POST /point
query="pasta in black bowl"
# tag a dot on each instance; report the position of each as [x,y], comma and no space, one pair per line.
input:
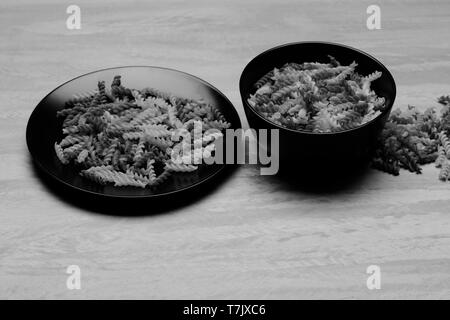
[328,101]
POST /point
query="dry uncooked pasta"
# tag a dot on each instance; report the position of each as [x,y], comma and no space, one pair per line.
[318,97]
[126,137]
[412,138]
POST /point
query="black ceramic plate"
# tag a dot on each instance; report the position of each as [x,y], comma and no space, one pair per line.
[44,129]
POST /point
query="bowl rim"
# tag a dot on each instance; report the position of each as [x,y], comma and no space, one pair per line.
[41,167]
[383,67]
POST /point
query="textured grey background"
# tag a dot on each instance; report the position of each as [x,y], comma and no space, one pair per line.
[254,237]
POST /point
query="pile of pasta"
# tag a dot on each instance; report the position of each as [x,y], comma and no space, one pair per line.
[318,97]
[412,138]
[125,137]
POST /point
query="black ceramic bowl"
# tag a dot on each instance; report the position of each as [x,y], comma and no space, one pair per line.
[297,146]
[44,128]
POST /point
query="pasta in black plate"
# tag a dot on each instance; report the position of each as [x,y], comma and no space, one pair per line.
[125,136]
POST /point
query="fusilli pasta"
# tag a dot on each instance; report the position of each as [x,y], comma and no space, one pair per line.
[319,97]
[125,137]
[412,138]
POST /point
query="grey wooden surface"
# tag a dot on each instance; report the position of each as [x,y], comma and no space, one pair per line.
[253,237]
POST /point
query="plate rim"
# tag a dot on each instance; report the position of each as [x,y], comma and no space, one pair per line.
[159,195]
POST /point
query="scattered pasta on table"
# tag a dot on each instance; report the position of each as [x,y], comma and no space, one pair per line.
[412,138]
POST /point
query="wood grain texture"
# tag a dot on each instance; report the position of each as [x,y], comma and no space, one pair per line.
[253,237]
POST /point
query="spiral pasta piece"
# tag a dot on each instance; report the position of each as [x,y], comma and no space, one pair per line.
[445,142]
[444,174]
